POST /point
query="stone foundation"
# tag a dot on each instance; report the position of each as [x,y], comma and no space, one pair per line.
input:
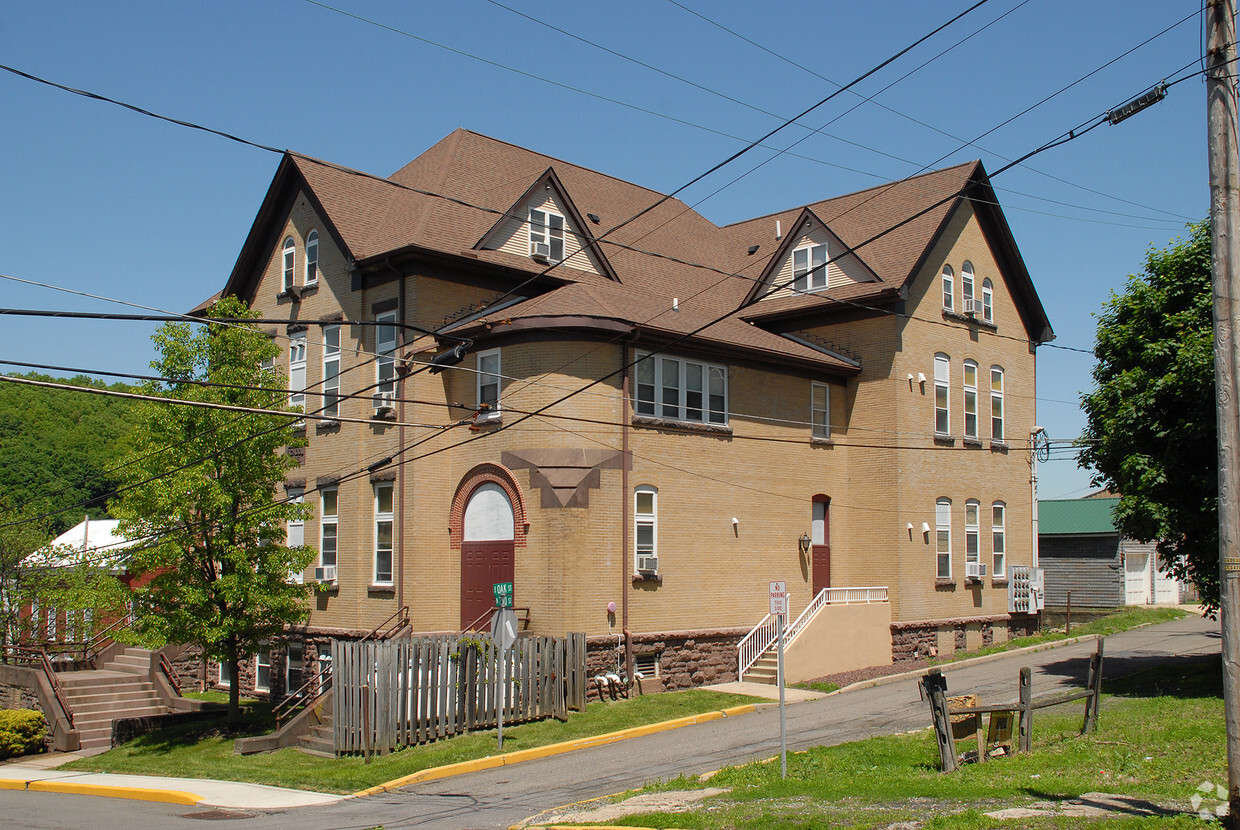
[943,638]
[684,658]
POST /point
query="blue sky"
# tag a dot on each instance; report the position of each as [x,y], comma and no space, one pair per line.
[101,200]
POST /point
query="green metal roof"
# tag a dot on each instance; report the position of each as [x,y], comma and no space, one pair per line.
[1076,516]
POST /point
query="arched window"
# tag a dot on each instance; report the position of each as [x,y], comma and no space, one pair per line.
[947,288]
[942,400]
[646,528]
[966,288]
[312,258]
[996,403]
[970,399]
[988,300]
[943,538]
[290,262]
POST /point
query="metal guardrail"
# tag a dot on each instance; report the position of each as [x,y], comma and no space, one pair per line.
[762,636]
[166,667]
[39,657]
[522,610]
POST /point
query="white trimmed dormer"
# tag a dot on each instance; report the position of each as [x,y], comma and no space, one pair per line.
[542,228]
[815,260]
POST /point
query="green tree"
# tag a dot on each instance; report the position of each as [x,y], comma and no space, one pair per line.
[1151,435]
[220,573]
[18,539]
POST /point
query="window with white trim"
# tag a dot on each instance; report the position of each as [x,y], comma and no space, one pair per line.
[329,519]
[966,287]
[998,536]
[943,538]
[972,533]
[988,300]
[489,369]
[331,371]
[383,534]
[385,360]
[295,529]
[262,669]
[948,295]
[547,229]
[312,257]
[681,390]
[820,409]
[809,268]
[290,262]
[996,403]
[970,399]
[646,528]
[225,674]
[942,397]
[297,370]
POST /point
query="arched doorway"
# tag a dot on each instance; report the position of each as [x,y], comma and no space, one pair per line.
[487,549]
[820,544]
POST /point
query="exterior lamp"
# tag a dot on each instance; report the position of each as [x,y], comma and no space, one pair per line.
[804,542]
[451,357]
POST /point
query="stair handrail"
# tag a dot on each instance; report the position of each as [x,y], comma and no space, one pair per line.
[754,644]
[50,671]
[96,643]
[525,619]
[165,665]
[300,698]
[397,621]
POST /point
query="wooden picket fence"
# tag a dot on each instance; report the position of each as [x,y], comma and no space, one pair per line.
[394,693]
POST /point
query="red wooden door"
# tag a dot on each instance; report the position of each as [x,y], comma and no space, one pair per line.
[482,565]
[820,552]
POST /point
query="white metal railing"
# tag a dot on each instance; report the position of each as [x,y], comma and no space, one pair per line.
[756,642]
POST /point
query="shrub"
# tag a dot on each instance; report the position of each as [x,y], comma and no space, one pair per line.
[22,732]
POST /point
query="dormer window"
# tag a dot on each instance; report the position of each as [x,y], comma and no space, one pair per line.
[546,236]
[809,268]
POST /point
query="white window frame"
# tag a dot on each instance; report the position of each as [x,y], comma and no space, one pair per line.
[331,371]
[662,390]
[312,258]
[489,380]
[820,410]
[329,497]
[261,664]
[547,227]
[972,532]
[966,284]
[289,261]
[645,521]
[225,679]
[996,403]
[942,395]
[998,540]
[384,518]
[295,529]
[297,370]
[289,648]
[948,288]
[809,268]
[385,359]
[943,538]
[988,301]
[970,399]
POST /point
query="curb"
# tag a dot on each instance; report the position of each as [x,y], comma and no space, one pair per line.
[494,761]
[106,791]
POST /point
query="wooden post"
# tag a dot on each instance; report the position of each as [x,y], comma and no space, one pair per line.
[1067,628]
[1095,690]
[935,686]
[1026,709]
[366,721]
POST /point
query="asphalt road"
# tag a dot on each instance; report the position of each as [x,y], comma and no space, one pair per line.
[501,797]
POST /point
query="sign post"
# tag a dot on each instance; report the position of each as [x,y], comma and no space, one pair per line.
[779,610]
[503,635]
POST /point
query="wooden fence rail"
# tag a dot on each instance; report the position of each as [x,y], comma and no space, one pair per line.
[934,688]
[394,693]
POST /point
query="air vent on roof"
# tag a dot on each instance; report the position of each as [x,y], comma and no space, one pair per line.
[593,217]
[753,249]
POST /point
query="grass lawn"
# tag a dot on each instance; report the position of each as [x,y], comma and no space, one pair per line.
[1161,736]
[200,751]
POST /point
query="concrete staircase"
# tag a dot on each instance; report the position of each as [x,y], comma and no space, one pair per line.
[118,690]
[319,740]
[765,669]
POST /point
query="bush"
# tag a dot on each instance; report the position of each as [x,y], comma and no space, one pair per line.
[22,732]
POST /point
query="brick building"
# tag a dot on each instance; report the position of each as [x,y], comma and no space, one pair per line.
[837,395]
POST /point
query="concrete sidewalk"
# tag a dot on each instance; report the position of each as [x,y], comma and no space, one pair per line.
[34,774]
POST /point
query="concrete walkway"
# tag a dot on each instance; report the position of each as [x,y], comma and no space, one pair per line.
[35,774]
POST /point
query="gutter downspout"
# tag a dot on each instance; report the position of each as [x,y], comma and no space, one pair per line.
[625,463]
[400,440]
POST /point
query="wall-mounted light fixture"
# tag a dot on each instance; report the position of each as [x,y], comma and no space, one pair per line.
[804,542]
[925,531]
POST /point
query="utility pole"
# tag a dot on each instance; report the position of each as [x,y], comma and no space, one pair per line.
[1220,22]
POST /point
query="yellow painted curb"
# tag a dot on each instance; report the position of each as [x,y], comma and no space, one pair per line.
[493,761]
[132,793]
[11,784]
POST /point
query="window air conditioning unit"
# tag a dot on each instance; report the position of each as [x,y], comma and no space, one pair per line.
[385,402]
[540,252]
[325,573]
[487,416]
[648,564]
[972,306]
[974,570]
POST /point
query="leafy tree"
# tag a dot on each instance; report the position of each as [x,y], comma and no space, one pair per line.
[17,541]
[1151,435]
[220,573]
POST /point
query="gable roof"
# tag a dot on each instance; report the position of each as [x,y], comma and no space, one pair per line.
[1076,517]
[445,202]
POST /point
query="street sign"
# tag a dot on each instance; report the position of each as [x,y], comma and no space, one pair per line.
[503,594]
[504,628]
[779,598]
